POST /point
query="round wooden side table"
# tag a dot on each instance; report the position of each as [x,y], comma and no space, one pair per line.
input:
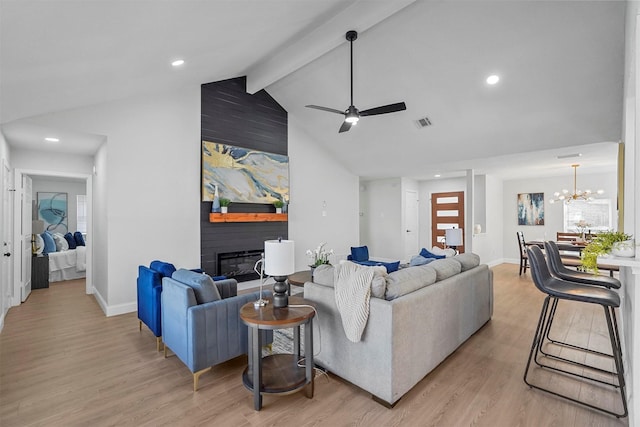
[279,373]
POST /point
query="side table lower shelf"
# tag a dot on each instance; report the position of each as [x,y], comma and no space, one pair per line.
[280,375]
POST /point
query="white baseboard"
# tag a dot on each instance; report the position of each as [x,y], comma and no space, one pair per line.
[114,310]
[2,315]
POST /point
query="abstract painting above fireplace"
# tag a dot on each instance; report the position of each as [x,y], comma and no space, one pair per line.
[243,175]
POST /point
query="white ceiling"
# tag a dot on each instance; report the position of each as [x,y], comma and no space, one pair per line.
[560,63]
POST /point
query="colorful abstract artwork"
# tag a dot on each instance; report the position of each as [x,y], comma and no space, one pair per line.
[243,175]
[52,209]
[531,209]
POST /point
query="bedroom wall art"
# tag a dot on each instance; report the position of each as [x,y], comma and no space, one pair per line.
[52,209]
[243,175]
[531,209]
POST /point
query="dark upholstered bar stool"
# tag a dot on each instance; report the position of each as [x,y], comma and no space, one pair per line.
[572,291]
[559,270]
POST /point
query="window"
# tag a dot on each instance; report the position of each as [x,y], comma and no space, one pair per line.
[596,213]
[81,213]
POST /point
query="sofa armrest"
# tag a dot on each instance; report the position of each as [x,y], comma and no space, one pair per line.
[149,289]
[227,288]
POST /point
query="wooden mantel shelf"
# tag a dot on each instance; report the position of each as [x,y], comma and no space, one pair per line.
[248,217]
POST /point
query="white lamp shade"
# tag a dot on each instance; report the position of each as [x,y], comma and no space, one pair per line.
[453,236]
[279,259]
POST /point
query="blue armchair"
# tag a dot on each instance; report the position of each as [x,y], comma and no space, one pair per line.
[199,326]
[149,290]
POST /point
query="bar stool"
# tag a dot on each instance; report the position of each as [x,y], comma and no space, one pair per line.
[572,291]
[559,270]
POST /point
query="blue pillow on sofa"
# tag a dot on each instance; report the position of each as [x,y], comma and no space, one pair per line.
[49,243]
[164,268]
[425,253]
[70,240]
[419,260]
[360,253]
[203,287]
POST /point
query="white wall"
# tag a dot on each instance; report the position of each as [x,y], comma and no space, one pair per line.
[61,185]
[100,226]
[319,184]
[486,244]
[151,204]
[381,211]
[51,162]
[553,213]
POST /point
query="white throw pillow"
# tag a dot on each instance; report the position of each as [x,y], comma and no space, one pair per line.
[446,252]
[61,242]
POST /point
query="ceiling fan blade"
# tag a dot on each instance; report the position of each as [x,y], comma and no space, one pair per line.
[331,110]
[345,127]
[391,108]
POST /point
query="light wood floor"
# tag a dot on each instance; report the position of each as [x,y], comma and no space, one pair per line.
[62,362]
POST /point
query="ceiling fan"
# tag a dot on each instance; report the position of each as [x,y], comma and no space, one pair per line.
[352,114]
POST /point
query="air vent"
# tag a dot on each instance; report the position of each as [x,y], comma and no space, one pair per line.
[423,122]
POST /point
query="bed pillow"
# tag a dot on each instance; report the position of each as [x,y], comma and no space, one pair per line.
[70,240]
[49,243]
[61,242]
[426,254]
[78,238]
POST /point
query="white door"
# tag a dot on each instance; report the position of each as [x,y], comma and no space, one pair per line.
[410,224]
[5,221]
[26,236]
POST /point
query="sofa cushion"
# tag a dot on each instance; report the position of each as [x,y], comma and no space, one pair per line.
[419,260]
[467,260]
[164,268]
[427,254]
[407,280]
[49,243]
[359,253]
[203,287]
[445,268]
[324,275]
[70,240]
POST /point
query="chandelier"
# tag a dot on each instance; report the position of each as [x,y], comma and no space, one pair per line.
[564,196]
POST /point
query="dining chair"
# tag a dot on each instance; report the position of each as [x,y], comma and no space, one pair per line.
[561,289]
[523,253]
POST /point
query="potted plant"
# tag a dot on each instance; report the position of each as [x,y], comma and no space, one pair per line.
[224,204]
[278,204]
[603,244]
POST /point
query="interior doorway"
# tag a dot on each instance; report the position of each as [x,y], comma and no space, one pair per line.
[447,211]
[18,226]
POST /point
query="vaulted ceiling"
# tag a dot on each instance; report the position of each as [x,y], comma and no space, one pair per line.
[560,66]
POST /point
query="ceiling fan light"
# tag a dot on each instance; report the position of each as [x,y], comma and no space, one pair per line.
[352,118]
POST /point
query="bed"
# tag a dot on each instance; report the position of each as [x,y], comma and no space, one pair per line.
[68,265]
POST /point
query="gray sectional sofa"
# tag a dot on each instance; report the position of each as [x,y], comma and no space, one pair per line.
[427,312]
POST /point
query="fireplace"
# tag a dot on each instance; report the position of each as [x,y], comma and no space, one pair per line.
[239,265]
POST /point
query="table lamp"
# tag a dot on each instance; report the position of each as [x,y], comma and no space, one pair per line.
[37,227]
[453,237]
[279,262]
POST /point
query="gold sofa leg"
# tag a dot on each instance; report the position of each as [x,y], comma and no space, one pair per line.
[196,377]
[158,343]
[140,325]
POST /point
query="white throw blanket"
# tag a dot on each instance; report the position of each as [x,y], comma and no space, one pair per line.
[352,293]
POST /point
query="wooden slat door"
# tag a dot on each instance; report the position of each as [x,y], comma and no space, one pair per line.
[447,211]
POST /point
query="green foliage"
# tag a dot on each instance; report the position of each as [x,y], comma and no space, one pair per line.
[278,203]
[600,245]
[224,202]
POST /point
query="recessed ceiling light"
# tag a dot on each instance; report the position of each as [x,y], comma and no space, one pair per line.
[493,79]
[178,62]
[568,156]
[51,139]
[436,175]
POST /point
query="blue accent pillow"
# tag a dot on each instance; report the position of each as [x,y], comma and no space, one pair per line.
[202,285]
[78,238]
[425,253]
[70,240]
[391,266]
[419,260]
[164,268]
[360,253]
[49,243]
